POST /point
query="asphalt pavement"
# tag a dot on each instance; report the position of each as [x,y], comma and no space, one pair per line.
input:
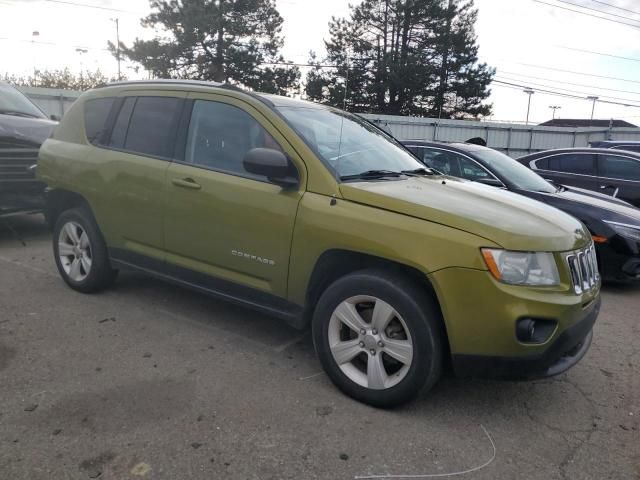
[151,381]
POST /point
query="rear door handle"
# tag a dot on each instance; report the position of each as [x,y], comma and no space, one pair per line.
[616,190]
[186,183]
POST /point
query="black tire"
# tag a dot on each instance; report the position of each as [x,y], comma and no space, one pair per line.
[422,317]
[100,274]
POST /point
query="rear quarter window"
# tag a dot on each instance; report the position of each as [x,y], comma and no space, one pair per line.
[96,113]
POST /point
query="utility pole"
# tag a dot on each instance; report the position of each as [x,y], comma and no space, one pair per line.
[117,22]
[554,108]
[34,34]
[593,108]
[81,51]
[529,92]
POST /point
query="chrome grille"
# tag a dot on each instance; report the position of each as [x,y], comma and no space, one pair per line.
[583,266]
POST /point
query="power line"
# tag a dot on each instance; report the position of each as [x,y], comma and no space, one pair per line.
[575,73]
[599,53]
[97,7]
[53,43]
[615,6]
[559,94]
[587,14]
[575,92]
[596,10]
[569,83]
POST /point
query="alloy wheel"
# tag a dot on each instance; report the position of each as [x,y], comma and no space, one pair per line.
[370,342]
[74,251]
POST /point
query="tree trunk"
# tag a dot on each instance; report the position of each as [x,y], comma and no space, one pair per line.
[219,74]
[444,69]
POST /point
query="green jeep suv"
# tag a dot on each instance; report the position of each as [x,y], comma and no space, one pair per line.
[316,216]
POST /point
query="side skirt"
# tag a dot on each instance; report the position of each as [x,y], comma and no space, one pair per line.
[258,300]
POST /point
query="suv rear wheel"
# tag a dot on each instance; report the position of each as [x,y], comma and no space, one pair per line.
[379,337]
[80,252]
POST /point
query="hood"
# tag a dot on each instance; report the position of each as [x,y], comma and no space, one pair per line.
[24,132]
[592,208]
[508,219]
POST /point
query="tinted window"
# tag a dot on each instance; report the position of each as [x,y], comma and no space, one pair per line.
[619,167]
[471,170]
[443,161]
[96,113]
[583,164]
[152,126]
[512,172]
[119,132]
[542,164]
[220,135]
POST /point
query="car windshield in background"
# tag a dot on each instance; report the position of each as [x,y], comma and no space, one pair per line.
[350,145]
[519,176]
[13,102]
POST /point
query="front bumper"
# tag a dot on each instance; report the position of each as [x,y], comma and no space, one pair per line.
[565,352]
[481,315]
[619,260]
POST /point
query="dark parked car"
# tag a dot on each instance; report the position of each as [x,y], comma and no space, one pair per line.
[612,172]
[613,223]
[629,145]
[23,128]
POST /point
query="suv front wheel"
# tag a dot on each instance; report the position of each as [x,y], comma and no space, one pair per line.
[379,337]
[80,252]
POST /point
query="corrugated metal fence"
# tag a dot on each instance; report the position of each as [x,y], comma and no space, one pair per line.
[515,140]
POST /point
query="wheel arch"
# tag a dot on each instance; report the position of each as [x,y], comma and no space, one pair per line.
[336,263]
[60,200]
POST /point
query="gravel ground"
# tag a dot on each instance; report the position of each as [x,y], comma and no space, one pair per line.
[152,381]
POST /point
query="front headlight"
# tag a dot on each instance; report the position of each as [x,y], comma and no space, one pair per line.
[627,231]
[522,268]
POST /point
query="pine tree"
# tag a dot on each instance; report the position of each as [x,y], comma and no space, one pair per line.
[416,57]
[235,41]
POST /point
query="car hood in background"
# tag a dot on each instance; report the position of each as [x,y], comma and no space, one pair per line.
[513,221]
[24,132]
[590,207]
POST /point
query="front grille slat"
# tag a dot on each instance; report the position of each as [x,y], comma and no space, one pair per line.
[16,163]
[583,267]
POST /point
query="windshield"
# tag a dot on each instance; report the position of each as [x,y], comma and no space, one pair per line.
[350,145]
[13,102]
[514,173]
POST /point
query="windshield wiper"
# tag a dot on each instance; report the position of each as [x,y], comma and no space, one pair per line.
[372,175]
[418,171]
[17,114]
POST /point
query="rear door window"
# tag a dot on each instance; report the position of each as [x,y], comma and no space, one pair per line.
[96,114]
[153,125]
[615,166]
[580,163]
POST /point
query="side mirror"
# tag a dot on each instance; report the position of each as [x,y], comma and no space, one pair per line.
[492,182]
[272,164]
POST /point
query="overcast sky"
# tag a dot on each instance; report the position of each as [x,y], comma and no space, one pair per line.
[518,37]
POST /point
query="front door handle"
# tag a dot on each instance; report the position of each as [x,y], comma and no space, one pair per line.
[186,183]
[616,190]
